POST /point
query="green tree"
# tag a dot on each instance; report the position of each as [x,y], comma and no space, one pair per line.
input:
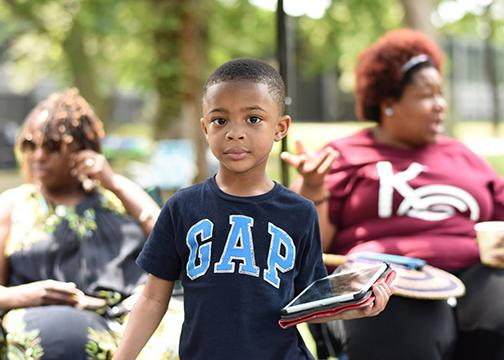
[417,15]
[56,31]
[167,48]
[333,42]
[482,20]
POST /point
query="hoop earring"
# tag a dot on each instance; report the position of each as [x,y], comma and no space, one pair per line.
[389,111]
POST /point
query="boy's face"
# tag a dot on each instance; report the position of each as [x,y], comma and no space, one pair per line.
[241,120]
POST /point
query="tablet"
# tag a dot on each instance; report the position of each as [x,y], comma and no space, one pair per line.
[406,261]
[338,307]
[336,288]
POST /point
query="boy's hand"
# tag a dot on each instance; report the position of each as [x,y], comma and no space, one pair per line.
[312,166]
[382,292]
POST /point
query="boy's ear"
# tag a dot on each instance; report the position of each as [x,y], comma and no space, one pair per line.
[282,127]
[204,127]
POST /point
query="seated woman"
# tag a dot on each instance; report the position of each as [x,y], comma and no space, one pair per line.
[69,237]
[402,188]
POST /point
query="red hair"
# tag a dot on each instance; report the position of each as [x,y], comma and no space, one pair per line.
[378,71]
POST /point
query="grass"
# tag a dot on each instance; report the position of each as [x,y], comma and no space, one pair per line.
[140,129]
[497,162]
[9,179]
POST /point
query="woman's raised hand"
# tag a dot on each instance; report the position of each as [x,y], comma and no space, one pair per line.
[91,168]
[312,166]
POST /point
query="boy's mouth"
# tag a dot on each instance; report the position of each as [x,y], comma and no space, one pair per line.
[236,153]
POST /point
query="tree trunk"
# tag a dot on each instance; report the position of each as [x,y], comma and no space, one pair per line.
[80,65]
[167,67]
[491,67]
[194,41]
[417,15]
[82,71]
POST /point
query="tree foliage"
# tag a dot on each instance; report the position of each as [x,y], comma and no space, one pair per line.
[334,42]
[103,46]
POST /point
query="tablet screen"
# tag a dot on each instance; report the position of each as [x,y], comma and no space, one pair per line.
[337,288]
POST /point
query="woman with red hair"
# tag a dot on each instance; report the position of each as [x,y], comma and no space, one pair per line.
[403,188]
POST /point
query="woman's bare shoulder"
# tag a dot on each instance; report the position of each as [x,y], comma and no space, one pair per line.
[9,197]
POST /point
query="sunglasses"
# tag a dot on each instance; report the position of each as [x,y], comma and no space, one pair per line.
[50,146]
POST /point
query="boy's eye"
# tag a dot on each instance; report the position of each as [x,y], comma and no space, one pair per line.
[254,120]
[219,121]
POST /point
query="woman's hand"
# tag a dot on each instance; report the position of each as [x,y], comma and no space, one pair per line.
[45,292]
[89,302]
[496,253]
[92,168]
[312,166]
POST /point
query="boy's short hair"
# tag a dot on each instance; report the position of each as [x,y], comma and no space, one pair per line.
[257,71]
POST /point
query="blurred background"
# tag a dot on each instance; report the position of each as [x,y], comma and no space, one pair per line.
[142,63]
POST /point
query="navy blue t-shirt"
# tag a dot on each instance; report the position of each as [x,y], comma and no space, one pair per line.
[240,259]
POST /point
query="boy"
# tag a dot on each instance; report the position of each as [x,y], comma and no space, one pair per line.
[242,244]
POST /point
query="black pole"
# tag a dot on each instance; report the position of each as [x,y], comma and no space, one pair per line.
[283,69]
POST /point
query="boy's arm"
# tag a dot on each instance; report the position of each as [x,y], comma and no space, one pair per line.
[145,317]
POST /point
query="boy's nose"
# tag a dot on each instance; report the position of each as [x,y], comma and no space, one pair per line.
[235,133]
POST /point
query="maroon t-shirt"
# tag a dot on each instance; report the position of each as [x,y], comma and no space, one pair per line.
[419,203]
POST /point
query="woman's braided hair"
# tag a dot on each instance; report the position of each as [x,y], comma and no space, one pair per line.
[67,117]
